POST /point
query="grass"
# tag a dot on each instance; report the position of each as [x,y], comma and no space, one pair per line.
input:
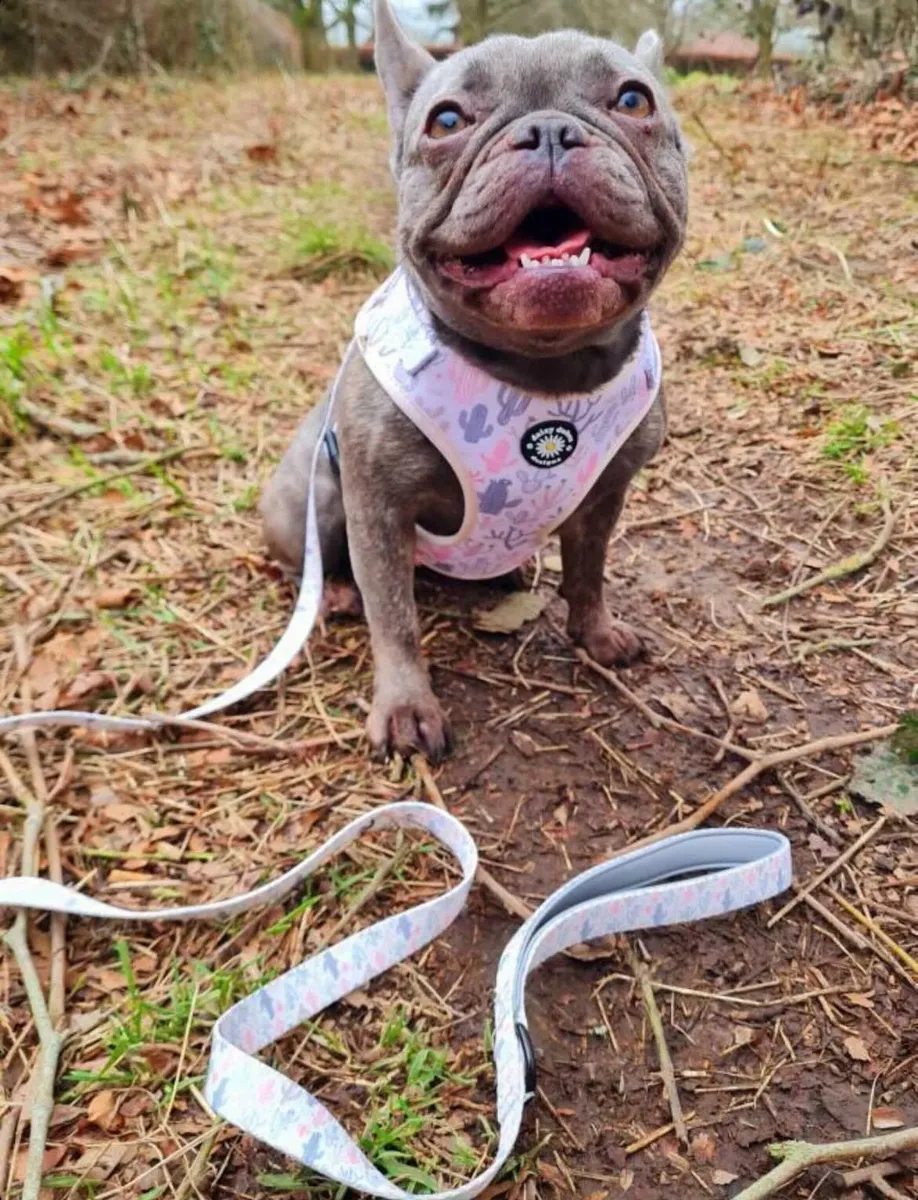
[316,251]
[853,436]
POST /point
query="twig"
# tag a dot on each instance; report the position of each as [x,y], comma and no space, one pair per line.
[804,809]
[799,1156]
[657,720]
[513,904]
[863,919]
[848,566]
[68,493]
[16,937]
[833,866]
[857,940]
[756,768]
[199,1166]
[667,1072]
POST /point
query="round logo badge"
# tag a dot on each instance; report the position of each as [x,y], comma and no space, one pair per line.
[549,444]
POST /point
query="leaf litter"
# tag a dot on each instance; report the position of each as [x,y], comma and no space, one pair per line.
[151,307]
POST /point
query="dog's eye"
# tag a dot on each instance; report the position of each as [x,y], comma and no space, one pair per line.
[446,122]
[632,102]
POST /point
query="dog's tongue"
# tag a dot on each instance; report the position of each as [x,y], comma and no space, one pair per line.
[517,246]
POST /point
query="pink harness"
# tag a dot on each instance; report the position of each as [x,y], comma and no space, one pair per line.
[524,461]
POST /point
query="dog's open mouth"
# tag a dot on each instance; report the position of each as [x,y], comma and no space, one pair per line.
[551,239]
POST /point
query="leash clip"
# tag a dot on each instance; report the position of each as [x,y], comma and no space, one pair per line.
[530,1067]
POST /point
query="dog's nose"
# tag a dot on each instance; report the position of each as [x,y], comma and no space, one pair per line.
[548,134]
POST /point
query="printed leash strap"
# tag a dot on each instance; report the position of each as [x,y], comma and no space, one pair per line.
[728,869]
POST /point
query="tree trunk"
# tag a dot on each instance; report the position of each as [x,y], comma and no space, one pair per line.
[764,19]
[315,41]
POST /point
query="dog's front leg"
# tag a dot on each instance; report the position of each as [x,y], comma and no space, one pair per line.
[405,715]
[584,539]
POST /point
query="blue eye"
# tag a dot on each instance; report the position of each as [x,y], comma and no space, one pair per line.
[633,103]
[446,122]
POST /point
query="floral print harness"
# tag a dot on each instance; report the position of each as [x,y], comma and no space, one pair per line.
[524,461]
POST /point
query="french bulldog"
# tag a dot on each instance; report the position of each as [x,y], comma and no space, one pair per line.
[542,195]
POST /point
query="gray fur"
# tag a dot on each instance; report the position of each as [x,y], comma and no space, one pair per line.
[464,195]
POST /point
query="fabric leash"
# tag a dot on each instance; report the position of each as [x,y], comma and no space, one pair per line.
[729,869]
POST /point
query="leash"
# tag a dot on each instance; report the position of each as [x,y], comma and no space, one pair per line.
[728,869]
[701,874]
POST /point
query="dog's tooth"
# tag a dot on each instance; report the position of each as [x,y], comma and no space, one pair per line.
[526,262]
[584,257]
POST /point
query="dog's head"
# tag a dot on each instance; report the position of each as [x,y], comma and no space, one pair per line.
[542,183]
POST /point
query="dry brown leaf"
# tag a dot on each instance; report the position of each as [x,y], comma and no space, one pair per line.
[53,1157]
[887,1118]
[101,1108]
[857,1049]
[115,597]
[262,152]
[517,610]
[723,1178]
[859,1000]
[704,1147]
[526,745]
[12,282]
[748,706]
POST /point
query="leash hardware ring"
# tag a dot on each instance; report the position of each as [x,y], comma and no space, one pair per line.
[530,1064]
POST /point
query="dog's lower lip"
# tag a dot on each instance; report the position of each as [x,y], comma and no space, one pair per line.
[600,258]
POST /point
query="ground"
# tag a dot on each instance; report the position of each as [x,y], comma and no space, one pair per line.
[180,264]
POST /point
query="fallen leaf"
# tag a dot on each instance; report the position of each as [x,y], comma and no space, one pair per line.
[723,1178]
[84,686]
[560,814]
[99,1160]
[625,1179]
[704,1147]
[748,355]
[857,1049]
[102,796]
[114,597]
[262,152]
[526,745]
[12,283]
[881,777]
[887,1118]
[679,705]
[513,613]
[858,999]
[52,1158]
[551,1174]
[101,1108]
[748,706]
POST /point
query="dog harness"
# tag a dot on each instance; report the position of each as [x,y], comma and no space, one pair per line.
[525,461]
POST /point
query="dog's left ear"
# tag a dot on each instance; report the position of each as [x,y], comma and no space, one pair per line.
[400,63]
[649,51]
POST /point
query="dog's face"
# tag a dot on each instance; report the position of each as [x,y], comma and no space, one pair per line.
[542,183]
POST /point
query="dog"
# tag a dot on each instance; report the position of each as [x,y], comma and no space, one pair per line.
[504,384]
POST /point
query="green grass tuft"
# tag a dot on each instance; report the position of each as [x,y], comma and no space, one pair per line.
[320,250]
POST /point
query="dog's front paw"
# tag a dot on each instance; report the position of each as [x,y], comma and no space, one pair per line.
[610,643]
[408,720]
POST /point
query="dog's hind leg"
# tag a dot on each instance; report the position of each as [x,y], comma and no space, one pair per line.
[283,503]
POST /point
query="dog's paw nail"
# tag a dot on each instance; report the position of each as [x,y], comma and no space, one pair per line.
[613,644]
[409,726]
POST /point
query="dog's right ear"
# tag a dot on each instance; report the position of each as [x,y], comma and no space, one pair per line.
[400,64]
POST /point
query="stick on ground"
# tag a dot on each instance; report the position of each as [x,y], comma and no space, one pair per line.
[799,1156]
[848,566]
[667,1071]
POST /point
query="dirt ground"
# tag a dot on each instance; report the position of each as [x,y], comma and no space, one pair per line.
[180,265]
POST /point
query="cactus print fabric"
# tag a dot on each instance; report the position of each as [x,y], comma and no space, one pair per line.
[524,461]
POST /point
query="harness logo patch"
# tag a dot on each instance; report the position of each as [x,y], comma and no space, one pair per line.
[549,444]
